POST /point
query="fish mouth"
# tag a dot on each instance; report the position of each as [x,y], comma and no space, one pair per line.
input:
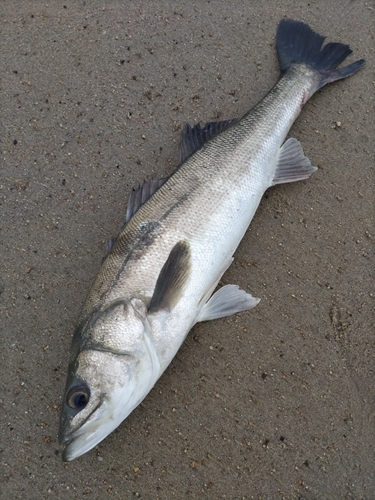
[78,445]
[66,455]
[85,437]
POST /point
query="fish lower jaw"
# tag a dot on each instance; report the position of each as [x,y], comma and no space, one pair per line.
[83,439]
[76,446]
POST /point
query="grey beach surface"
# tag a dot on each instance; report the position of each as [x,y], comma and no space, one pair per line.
[273,403]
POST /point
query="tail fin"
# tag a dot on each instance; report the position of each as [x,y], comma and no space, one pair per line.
[297,43]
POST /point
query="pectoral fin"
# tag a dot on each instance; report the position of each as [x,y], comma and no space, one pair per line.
[230,299]
[172,278]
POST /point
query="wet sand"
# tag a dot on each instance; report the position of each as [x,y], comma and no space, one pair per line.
[275,403]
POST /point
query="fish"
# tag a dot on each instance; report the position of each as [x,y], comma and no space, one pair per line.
[161,272]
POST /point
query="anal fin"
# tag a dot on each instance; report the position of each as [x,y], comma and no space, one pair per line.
[292,164]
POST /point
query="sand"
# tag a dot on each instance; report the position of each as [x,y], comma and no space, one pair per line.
[275,403]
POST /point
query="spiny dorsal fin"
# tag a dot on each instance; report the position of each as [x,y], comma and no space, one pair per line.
[172,278]
[141,194]
[109,244]
[193,137]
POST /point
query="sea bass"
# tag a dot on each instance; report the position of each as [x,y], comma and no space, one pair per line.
[179,238]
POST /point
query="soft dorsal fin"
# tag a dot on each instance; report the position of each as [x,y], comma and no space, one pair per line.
[191,140]
[141,194]
[194,136]
[172,278]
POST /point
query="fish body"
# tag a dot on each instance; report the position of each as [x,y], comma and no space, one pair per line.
[158,279]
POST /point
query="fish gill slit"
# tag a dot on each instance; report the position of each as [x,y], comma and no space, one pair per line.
[151,350]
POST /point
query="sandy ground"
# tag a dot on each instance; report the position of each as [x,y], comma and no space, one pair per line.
[270,404]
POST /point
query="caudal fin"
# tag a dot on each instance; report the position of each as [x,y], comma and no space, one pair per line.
[297,43]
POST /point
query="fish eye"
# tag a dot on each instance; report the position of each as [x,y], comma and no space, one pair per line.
[78,397]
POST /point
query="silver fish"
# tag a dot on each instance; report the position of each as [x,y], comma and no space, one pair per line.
[179,238]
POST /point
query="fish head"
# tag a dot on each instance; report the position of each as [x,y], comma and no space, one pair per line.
[112,368]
